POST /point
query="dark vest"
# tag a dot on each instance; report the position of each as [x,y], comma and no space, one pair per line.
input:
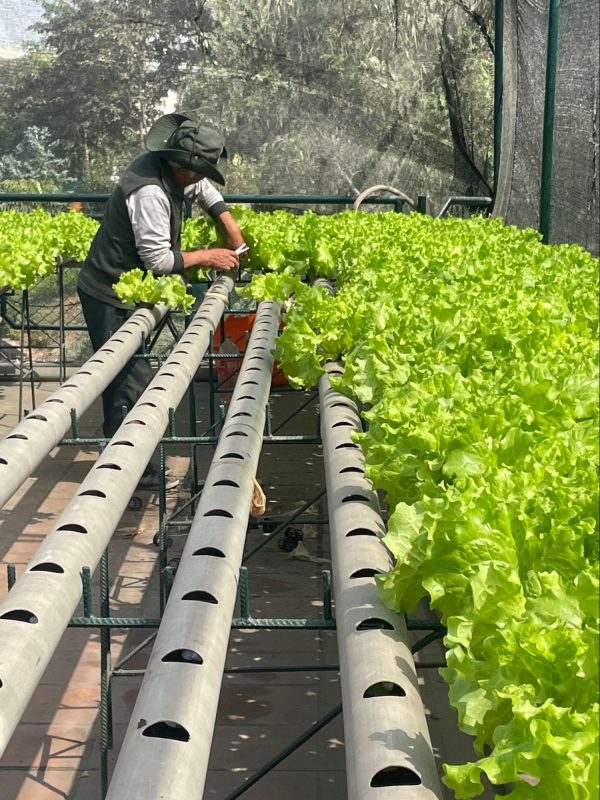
[113,249]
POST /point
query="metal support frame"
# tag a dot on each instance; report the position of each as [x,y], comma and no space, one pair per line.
[385,729]
[104,622]
[549,103]
[175,712]
[36,612]
[22,450]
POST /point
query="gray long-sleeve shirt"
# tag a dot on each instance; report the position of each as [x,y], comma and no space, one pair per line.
[149,212]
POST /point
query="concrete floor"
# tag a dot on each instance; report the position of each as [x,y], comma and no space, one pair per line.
[55,751]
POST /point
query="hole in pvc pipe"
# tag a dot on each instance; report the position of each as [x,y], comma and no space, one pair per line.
[3,461]
[361,532]
[17,436]
[167,375]
[166,729]
[342,424]
[339,404]
[159,388]
[37,416]
[374,624]
[73,528]
[203,597]
[344,445]
[209,551]
[152,405]
[95,361]
[385,689]
[119,341]
[365,572]
[218,512]
[352,469]
[395,776]
[355,498]
[253,369]
[236,433]
[241,414]
[183,656]
[47,566]
[20,615]
[108,466]
[123,442]
[83,372]
[233,455]
[227,482]
[92,493]
[250,383]
[55,400]
[255,358]
[135,422]
[70,385]
[106,350]
[246,397]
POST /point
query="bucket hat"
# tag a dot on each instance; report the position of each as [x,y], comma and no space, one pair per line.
[192,145]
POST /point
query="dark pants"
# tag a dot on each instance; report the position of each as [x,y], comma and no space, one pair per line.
[102,321]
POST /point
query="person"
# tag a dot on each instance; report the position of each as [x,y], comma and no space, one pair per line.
[141,227]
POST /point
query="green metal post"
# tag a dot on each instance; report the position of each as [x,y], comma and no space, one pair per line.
[105,678]
[422,204]
[283,754]
[11,575]
[548,141]
[498,86]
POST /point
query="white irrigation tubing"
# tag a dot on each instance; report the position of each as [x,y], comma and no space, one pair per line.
[37,610]
[25,447]
[167,745]
[388,750]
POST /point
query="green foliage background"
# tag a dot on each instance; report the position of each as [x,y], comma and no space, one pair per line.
[314,97]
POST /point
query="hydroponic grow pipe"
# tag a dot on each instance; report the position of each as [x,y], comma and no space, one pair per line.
[388,750]
[23,449]
[167,745]
[37,610]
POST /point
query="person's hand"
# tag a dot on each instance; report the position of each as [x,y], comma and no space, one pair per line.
[222,258]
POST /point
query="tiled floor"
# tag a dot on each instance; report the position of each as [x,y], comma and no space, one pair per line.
[55,752]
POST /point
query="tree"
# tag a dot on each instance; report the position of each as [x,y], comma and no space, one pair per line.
[33,165]
[104,73]
[334,97]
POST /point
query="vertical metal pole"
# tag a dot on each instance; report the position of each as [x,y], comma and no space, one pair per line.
[192,432]
[498,86]
[30,349]
[422,204]
[211,382]
[11,575]
[162,523]
[62,355]
[105,678]
[548,141]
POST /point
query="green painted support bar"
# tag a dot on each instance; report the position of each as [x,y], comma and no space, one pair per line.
[263,199]
[11,575]
[549,101]
[86,580]
[280,528]
[291,748]
[498,86]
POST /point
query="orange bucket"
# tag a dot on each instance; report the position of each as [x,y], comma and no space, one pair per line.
[237,329]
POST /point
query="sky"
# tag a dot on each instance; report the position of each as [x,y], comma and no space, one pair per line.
[15,17]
